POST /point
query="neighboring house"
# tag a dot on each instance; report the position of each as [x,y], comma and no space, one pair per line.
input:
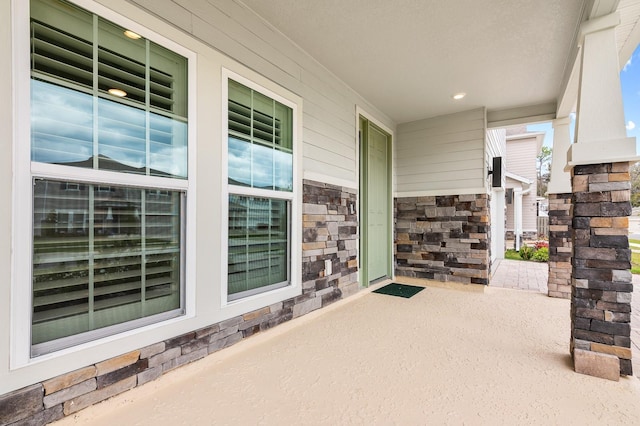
[522,149]
[180,175]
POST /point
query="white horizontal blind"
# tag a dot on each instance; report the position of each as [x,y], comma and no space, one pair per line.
[67,57]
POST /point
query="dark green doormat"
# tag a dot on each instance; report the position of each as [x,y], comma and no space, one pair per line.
[400,290]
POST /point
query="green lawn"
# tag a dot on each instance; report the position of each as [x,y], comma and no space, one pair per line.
[635,258]
[511,254]
[635,263]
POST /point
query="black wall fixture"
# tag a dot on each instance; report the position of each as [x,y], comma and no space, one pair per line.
[496,172]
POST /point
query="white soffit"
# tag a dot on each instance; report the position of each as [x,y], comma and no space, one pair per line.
[408,57]
[628,32]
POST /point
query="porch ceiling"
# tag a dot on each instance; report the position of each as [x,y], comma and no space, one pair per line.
[408,57]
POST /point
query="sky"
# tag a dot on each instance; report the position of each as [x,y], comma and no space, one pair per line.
[630,84]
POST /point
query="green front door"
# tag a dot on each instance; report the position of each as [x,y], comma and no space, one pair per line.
[377,254]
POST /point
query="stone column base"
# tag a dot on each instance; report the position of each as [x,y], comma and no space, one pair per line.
[560,245]
[601,281]
[596,364]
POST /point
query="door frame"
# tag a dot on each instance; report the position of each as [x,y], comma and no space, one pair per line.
[363,116]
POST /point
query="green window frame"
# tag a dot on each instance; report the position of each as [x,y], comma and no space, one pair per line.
[109,170]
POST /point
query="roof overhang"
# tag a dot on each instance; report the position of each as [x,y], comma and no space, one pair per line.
[518,59]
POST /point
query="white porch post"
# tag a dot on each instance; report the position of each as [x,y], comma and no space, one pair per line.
[517,216]
[600,134]
[560,180]
[599,159]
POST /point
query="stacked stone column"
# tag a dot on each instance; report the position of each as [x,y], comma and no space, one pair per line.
[601,283]
[560,246]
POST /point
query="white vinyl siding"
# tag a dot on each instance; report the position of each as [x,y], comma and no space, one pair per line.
[521,160]
[329,146]
[441,155]
[496,147]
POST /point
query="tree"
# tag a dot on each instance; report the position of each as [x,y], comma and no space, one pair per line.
[543,167]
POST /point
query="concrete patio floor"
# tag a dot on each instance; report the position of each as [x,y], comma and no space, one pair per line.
[449,355]
[532,276]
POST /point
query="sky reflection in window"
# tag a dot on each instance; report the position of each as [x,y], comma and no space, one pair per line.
[259,166]
[63,127]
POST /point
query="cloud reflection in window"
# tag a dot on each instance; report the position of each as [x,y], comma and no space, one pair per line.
[259,166]
[63,127]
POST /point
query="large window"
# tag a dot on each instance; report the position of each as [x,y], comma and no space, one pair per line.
[109,175]
[260,169]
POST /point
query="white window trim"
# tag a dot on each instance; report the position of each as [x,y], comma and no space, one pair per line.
[22,203]
[249,303]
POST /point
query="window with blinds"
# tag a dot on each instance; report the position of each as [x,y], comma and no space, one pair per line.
[106,257]
[139,122]
[260,152]
[102,257]
[260,140]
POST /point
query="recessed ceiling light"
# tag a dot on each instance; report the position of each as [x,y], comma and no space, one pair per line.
[117,92]
[132,35]
[459,96]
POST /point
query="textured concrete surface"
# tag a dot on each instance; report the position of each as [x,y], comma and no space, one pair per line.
[531,276]
[445,356]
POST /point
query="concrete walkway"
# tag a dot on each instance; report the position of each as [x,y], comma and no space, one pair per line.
[522,275]
[448,355]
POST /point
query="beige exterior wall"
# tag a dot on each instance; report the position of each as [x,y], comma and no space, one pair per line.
[442,155]
[521,160]
[330,148]
[496,144]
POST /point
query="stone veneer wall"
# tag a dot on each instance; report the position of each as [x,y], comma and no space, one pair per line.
[445,238]
[330,233]
[601,280]
[560,246]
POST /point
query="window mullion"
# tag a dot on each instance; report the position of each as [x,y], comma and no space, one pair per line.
[269,225]
[251,125]
[273,147]
[143,250]
[247,247]
[91,261]
[147,103]
[96,65]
